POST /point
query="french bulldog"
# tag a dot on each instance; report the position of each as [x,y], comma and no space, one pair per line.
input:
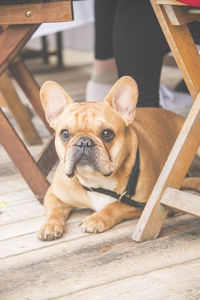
[101,146]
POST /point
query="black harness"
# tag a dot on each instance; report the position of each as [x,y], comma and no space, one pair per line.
[130,189]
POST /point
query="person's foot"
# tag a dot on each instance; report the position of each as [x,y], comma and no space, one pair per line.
[104,75]
[96,91]
[99,85]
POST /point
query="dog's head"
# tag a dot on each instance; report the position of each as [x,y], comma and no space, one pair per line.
[91,138]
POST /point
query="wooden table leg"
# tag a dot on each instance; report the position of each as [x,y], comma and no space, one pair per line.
[18,110]
[12,41]
[30,87]
[22,158]
[48,157]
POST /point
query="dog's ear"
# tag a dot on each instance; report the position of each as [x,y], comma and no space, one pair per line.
[123,98]
[54,100]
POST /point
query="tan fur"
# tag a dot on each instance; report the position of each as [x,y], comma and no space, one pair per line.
[153,130]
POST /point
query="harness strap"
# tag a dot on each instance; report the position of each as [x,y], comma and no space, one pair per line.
[130,189]
[122,198]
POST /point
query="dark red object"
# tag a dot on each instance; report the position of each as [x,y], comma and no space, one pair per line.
[191,2]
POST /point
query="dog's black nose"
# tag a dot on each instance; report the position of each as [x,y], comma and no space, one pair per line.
[85,142]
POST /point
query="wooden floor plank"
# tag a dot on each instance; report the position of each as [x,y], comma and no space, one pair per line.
[85,263]
[18,197]
[31,225]
[17,213]
[29,242]
[172,282]
[12,184]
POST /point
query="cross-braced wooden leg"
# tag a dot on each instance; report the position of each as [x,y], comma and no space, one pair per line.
[18,111]
[172,175]
[183,48]
[29,86]
[22,158]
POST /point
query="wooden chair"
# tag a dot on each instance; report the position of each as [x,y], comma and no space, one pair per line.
[12,39]
[173,17]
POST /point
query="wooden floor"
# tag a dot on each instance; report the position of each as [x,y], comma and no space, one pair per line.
[83,266]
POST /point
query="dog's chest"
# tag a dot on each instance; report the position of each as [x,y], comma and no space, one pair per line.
[99,201]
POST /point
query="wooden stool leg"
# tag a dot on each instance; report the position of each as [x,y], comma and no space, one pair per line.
[172,175]
[30,87]
[22,158]
[185,53]
[18,110]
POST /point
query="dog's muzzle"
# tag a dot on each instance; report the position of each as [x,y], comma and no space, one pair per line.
[83,154]
[86,153]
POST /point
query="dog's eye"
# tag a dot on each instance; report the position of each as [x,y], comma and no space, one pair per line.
[64,134]
[107,135]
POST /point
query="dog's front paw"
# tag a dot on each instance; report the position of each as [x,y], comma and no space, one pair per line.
[51,230]
[95,223]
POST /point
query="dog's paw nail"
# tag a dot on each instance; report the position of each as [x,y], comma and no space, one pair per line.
[93,224]
[51,231]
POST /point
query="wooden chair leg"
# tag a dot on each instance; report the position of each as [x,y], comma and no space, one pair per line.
[22,158]
[11,42]
[172,175]
[18,110]
[185,53]
[30,87]
[47,157]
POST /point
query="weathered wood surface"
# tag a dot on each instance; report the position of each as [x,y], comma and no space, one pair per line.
[86,264]
[182,201]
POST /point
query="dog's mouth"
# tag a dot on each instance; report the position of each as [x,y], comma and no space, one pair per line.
[86,164]
[85,156]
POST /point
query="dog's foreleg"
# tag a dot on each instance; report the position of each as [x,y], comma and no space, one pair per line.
[111,215]
[57,212]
